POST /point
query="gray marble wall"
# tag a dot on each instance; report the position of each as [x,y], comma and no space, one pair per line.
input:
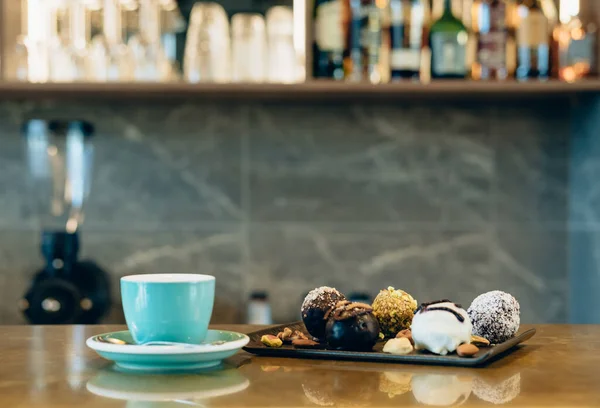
[584,226]
[442,201]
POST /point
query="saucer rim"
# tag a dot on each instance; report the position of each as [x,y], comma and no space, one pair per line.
[96,345]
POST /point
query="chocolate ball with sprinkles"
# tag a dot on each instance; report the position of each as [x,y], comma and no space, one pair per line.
[316,304]
[495,316]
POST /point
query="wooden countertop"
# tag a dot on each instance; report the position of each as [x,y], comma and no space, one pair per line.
[50,366]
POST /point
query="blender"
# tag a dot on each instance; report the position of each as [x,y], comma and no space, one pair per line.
[59,156]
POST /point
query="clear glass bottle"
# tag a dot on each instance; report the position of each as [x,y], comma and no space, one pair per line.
[281,55]
[575,43]
[489,26]
[365,38]
[512,23]
[328,41]
[259,309]
[533,42]
[408,25]
[448,41]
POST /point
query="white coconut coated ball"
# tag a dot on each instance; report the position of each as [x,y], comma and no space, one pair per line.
[495,316]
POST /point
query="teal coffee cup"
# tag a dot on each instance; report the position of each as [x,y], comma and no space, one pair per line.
[168,307]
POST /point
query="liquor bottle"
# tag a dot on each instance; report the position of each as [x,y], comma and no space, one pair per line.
[466,16]
[408,19]
[491,31]
[550,11]
[364,41]
[328,44]
[259,309]
[512,22]
[575,43]
[448,42]
[438,6]
[533,48]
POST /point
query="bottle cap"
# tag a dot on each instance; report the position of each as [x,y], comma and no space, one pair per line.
[259,295]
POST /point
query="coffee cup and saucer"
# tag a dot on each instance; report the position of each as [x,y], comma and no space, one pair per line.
[167,318]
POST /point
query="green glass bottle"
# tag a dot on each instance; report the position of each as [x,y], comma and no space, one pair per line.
[448,41]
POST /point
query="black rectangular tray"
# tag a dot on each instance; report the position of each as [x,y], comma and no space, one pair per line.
[484,355]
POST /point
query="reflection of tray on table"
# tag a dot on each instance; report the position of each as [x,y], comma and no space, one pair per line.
[484,355]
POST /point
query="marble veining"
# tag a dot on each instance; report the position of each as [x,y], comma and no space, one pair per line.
[428,264]
[443,201]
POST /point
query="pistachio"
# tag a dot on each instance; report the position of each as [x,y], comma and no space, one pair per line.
[271,341]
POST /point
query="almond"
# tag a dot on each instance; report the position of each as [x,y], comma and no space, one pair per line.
[401,346]
[298,335]
[467,350]
[405,333]
[479,341]
[305,343]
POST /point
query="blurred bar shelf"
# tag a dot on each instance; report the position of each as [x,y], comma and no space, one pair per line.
[309,91]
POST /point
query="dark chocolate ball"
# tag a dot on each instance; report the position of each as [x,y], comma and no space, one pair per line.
[357,333]
[315,305]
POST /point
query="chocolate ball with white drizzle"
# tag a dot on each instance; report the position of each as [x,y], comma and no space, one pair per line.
[440,327]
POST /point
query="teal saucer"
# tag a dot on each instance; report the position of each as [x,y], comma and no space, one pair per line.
[217,346]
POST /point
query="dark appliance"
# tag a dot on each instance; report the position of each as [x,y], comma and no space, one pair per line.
[59,157]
